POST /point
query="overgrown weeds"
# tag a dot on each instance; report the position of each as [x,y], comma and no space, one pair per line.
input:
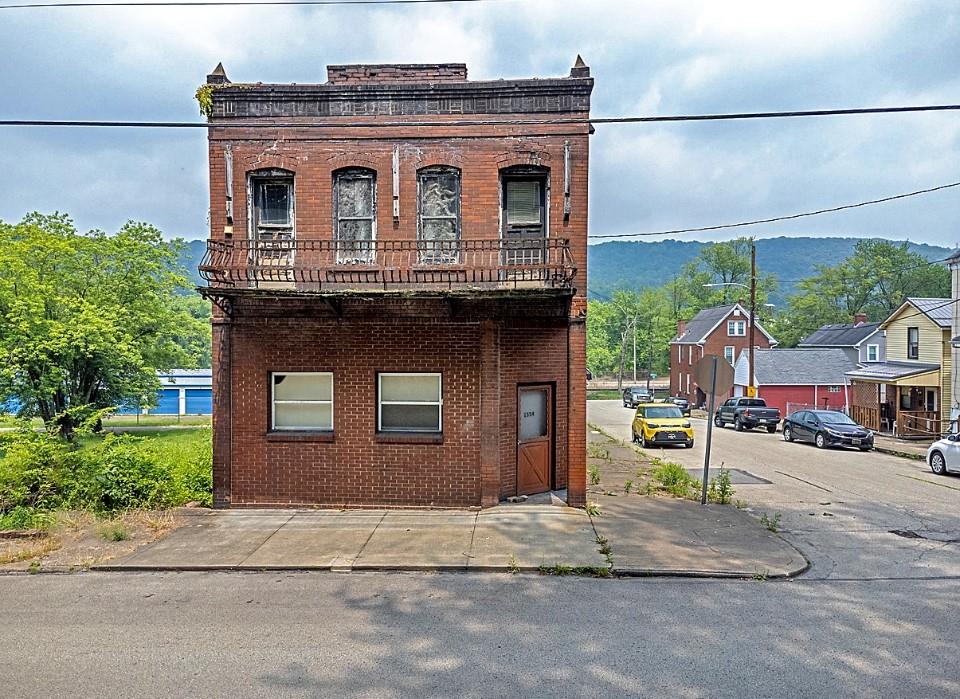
[771,523]
[594,474]
[720,490]
[674,479]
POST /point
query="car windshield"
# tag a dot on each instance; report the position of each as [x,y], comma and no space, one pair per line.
[662,413]
[831,417]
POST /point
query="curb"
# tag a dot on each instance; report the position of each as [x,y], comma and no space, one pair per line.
[901,454]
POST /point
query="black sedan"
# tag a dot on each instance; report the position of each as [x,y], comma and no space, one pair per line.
[826,428]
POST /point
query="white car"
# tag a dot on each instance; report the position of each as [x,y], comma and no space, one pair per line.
[944,456]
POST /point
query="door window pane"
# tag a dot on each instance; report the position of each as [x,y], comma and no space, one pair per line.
[523,202]
[533,414]
[275,208]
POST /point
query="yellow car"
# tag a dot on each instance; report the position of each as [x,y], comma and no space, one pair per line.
[661,423]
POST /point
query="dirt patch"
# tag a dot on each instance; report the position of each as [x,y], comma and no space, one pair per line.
[78,540]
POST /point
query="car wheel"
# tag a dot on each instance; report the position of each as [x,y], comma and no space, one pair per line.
[737,425]
[866,448]
[625,404]
[937,463]
[689,445]
[820,441]
[634,438]
[771,428]
[717,420]
[787,434]
[643,440]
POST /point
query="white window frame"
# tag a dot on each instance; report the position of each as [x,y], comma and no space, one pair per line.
[732,355]
[876,351]
[381,402]
[833,389]
[274,401]
[736,328]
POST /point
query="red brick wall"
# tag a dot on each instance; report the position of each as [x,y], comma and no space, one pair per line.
[715,344]
[358,467]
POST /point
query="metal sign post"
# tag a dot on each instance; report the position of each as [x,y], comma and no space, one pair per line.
[706,454]
[715,372]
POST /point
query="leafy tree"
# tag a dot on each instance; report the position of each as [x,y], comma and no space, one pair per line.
[874,280]
[718,276]
[86,320]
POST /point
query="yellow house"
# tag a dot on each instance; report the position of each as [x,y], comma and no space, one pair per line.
[909,393]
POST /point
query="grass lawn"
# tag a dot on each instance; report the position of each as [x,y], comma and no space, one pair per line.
[603,394]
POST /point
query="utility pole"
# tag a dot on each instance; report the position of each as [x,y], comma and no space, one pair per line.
[634,350]
[650,358]
[753,312]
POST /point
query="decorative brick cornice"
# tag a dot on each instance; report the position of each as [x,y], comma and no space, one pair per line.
[551,97]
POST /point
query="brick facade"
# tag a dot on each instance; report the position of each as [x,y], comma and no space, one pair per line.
[485,343]
[685,355]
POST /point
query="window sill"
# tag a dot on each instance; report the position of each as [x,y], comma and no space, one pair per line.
[299,436]
[409,437]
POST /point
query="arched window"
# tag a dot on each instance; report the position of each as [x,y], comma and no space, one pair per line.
[438,214]
[355,214]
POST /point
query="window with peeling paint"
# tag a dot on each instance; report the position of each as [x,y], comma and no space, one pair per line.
[355,206]
[271,196]
[524,227]
[439,215]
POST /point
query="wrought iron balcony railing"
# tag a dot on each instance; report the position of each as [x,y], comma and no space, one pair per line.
[335,265]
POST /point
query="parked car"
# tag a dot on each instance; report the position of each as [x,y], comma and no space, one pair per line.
[661,423]
[681,403]
[747,413]
[943,456]
[826,428]
[634,396]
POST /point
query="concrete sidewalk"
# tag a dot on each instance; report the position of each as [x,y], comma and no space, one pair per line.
[503,538]
[646,536]
[910,449]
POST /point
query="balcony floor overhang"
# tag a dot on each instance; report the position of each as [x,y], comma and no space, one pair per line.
[534,302]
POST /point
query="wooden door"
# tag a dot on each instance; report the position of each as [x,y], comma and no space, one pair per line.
[534,439]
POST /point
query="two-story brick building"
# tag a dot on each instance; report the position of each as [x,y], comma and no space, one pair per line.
[723,331]
[397,261]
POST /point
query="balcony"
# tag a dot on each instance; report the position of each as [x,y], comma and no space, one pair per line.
[332,266]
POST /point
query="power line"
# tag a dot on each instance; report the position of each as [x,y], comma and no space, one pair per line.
[566,121]
[788,217]
[230,3]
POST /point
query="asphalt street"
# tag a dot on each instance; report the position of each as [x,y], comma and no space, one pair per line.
[840,507]
[472,635]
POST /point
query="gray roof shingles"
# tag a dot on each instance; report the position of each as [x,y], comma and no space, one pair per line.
[802,366]
[891,370]
[839,335]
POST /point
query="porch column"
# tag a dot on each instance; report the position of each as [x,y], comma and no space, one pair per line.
[222,431]
[577,410]
[489,413]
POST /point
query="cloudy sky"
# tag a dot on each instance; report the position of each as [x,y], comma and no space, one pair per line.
[648,58]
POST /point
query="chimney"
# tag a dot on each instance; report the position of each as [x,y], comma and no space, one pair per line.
[681,327]
[859,319]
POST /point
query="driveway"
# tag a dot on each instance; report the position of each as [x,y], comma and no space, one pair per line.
[855,515]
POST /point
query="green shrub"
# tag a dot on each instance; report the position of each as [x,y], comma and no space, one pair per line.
[40,472]
[21,517]
[721,489]
[594,474]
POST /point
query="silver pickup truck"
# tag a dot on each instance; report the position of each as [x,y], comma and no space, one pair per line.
[746,413]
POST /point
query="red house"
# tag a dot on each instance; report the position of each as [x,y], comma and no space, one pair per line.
[723,331]
[791,379]
[396,259]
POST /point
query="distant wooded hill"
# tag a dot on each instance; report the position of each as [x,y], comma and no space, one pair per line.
[636,264]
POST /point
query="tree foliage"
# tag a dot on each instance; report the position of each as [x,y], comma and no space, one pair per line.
[86,320]
[874,280]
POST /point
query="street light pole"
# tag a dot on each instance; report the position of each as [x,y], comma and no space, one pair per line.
[753,310]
